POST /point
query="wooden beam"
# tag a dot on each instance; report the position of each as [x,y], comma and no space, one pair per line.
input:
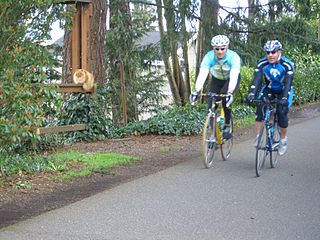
[58,129]
[75,41]
[73,88]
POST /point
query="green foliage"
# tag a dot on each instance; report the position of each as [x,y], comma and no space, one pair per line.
[279,20]
[246,79]
[83,109]
[179,121]
[187,120]
[68,164]
[142,82]
[87,163]
[11,164]
[26,98]
[306,81]
[244,115]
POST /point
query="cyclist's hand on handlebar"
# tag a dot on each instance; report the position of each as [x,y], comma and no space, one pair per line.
[250,98]
[229,99]
[194,97]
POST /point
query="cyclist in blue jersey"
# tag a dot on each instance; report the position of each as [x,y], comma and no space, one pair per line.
[276,72]
[224,65]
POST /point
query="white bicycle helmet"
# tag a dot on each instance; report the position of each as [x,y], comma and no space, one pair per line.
[220,40]
[272,45]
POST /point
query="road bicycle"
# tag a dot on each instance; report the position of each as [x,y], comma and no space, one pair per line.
[212,138]
[269,135]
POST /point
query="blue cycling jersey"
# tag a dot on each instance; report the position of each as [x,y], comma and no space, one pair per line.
[221,67]
[275,72]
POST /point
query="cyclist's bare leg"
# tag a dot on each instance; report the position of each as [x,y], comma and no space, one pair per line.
[283,133]
[257,127]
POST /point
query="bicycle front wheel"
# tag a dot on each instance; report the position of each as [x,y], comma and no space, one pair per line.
[275,145]
[226,146]
[209,141]
[261,151]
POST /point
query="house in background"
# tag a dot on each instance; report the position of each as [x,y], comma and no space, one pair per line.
[152,39]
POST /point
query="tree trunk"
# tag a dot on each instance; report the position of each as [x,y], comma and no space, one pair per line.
[252,8]
[186,78]
[121,47]
[208,28]
[97,40]
[272,14]
[92,47]
[66,67]
[166,56]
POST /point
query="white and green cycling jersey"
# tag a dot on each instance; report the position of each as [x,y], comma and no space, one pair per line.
[221,68]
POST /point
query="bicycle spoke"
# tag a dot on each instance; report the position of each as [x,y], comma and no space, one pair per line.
[226,146]
[208,142]
[275,145]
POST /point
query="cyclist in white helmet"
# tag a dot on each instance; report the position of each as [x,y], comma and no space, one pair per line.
[224,65]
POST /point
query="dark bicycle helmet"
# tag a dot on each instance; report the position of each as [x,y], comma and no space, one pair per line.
[272,45]
[220,40]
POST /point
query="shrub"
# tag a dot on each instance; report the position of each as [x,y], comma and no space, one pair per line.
[306,81]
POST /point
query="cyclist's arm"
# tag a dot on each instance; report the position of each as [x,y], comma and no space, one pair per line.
[256,82]
[288,78]
[234,73]
[258,76]
[202,77]
[287,84]
[204,70]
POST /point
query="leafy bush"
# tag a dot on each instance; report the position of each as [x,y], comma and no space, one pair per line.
[177,121]
[83,109]
[306,81]
[187,120]
[246,79]
[26,98]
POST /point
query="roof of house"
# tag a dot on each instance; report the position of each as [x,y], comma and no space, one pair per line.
[149,38]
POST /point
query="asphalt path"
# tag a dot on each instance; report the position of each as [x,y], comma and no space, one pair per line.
[188,201]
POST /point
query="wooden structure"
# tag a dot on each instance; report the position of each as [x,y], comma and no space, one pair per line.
[80,58]
[80,50]
[57,129]
[75,88]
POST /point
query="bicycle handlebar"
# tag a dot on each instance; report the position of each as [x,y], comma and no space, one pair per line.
[266,100]
[222,95]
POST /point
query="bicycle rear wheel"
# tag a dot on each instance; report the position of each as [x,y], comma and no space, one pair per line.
[208,142]
[275,145]
[226,146]
[261,151]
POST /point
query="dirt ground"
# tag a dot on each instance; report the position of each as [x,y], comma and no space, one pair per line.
[157,153]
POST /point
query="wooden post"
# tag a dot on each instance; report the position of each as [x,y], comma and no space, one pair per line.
[80,51]
[123,94]
[75,41]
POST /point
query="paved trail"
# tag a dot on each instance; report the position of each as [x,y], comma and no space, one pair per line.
[189,202]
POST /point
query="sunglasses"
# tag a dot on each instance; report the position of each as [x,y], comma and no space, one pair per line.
[271,52]
[221,49]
